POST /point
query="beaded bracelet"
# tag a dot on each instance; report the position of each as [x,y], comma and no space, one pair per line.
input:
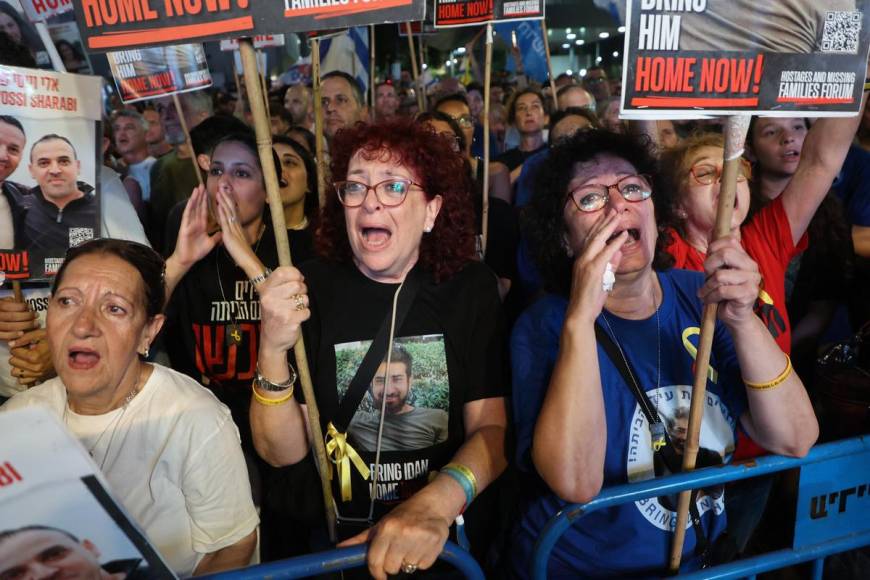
[775,382]
[465,478]
[272,402]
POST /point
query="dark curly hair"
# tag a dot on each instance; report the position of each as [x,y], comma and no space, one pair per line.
[450,245]
[543,221]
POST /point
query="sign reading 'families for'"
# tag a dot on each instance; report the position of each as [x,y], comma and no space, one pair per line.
[698,57]
[146,73]
[450,13]
[117,24]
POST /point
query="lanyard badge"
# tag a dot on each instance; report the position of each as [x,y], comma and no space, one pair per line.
[657,435]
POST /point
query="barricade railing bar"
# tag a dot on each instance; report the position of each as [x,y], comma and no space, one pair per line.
[707,477]
[340,559]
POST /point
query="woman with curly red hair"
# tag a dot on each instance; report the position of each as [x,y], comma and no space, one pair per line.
[405,341]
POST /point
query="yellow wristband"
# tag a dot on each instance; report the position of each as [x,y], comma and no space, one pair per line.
[272,402]
[775,382]
[466,473]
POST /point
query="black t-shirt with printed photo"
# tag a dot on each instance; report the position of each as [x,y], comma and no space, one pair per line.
[213,323]
[456,337]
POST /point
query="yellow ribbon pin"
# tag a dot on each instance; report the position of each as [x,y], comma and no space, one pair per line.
[693,351]
[342,454]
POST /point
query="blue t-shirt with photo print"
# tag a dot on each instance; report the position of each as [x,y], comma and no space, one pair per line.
[632,539]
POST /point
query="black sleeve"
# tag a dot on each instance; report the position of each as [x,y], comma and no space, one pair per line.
[486,356]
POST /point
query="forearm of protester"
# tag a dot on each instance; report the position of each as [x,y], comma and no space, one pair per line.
[570,436]
[822,156]
[861,240]
[280,430]
[780,416]
[278,423]
[236,556]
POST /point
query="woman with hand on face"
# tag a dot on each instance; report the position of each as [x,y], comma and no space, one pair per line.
[213,314]
[398,243]
[580,425]
[773,236]
[167,447]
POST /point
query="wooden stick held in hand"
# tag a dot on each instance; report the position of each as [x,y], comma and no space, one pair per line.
[318,120]
[264,147]
[487,74]
[735,137]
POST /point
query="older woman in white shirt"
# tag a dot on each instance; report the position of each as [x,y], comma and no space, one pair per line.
[168,448]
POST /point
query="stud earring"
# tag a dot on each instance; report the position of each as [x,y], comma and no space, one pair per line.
[427,229]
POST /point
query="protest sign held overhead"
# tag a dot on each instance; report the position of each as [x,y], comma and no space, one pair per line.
[146,73]
[52,187]
[449,13]
[116,24]
[38,10]
[699,57]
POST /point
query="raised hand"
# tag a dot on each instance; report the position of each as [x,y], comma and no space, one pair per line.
[732,281]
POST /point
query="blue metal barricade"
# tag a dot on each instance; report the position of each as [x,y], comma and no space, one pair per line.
[825,523]
[340,559]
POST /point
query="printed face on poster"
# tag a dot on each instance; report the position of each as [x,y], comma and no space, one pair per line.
[57,515]
[15,24]
[50,184]
[147,73]
[725,57]
[118,24]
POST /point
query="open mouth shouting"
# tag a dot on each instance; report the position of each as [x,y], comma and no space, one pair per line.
[376,237]
[82,358]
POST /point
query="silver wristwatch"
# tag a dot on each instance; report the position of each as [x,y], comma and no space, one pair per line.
[265,384]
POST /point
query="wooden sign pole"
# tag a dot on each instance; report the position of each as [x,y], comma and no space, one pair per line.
[372,90]
[318,120]
[487,74]
[413,52]
[549,62]
[264,147]
[180,112]
[735,137]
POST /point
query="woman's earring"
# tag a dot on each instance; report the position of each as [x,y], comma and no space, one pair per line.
[146,353]
[427,229]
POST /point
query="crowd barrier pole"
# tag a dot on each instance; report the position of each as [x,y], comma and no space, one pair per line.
[707,477]
[340,559]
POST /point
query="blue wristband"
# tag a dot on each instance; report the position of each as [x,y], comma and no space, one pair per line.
[463,480]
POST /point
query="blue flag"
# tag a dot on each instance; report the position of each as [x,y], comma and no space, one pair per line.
[530,41]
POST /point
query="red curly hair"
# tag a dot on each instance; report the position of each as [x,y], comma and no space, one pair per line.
[441,171]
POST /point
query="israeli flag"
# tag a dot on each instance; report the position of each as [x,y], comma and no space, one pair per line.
[348,52]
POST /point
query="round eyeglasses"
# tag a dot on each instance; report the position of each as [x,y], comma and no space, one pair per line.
[708,174]
[594,196]
[389,193]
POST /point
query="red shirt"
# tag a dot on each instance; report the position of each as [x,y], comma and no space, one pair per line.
[767,239]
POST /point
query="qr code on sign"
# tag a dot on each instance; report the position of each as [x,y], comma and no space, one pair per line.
[841,32]
[79,236]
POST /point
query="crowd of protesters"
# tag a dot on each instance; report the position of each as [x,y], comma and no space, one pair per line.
[498,383]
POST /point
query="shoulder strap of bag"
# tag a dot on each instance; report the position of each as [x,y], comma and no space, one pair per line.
[667,453]
[377,352]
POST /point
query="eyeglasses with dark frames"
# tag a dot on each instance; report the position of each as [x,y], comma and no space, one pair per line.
[389,193]
[594,196]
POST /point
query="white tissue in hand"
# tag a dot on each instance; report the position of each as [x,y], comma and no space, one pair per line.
[609,279]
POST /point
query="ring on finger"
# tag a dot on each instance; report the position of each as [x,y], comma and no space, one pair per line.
[299,299]
[408,568]
[232,219]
